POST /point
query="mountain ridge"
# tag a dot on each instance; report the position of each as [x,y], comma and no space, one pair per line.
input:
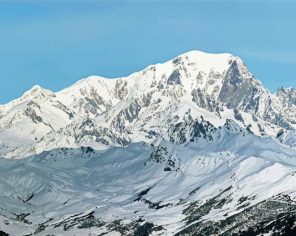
[215,86]
[151,65]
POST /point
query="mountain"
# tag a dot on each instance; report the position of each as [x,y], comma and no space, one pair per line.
[193,146]
[142,106]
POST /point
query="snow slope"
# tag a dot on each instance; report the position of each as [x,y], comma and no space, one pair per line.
[123,190]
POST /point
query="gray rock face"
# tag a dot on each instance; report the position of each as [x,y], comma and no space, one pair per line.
[239,92]
[120,90]
[205,101]
[126,115]
[287,98]
[161,155]
[31,113]
[88,131]
[102,135]
[174,78]
[94,103]
[190,130]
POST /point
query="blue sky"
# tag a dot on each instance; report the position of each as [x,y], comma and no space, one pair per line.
[55,43]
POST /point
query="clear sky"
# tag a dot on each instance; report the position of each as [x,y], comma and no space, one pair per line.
[55,43]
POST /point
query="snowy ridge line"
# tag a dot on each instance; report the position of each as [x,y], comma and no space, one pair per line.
[144,106]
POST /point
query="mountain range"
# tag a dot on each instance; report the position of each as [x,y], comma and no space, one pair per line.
[192,146]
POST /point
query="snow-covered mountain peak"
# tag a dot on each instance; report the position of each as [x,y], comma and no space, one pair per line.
[147,104]
[36,92]
[208,61]
[92,80]
[190,70]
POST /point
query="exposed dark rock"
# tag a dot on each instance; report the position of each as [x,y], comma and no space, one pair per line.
[174,78]
[2,233]
[196,129]
[275,216]
[141,194]
[205,101]
[120,90]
